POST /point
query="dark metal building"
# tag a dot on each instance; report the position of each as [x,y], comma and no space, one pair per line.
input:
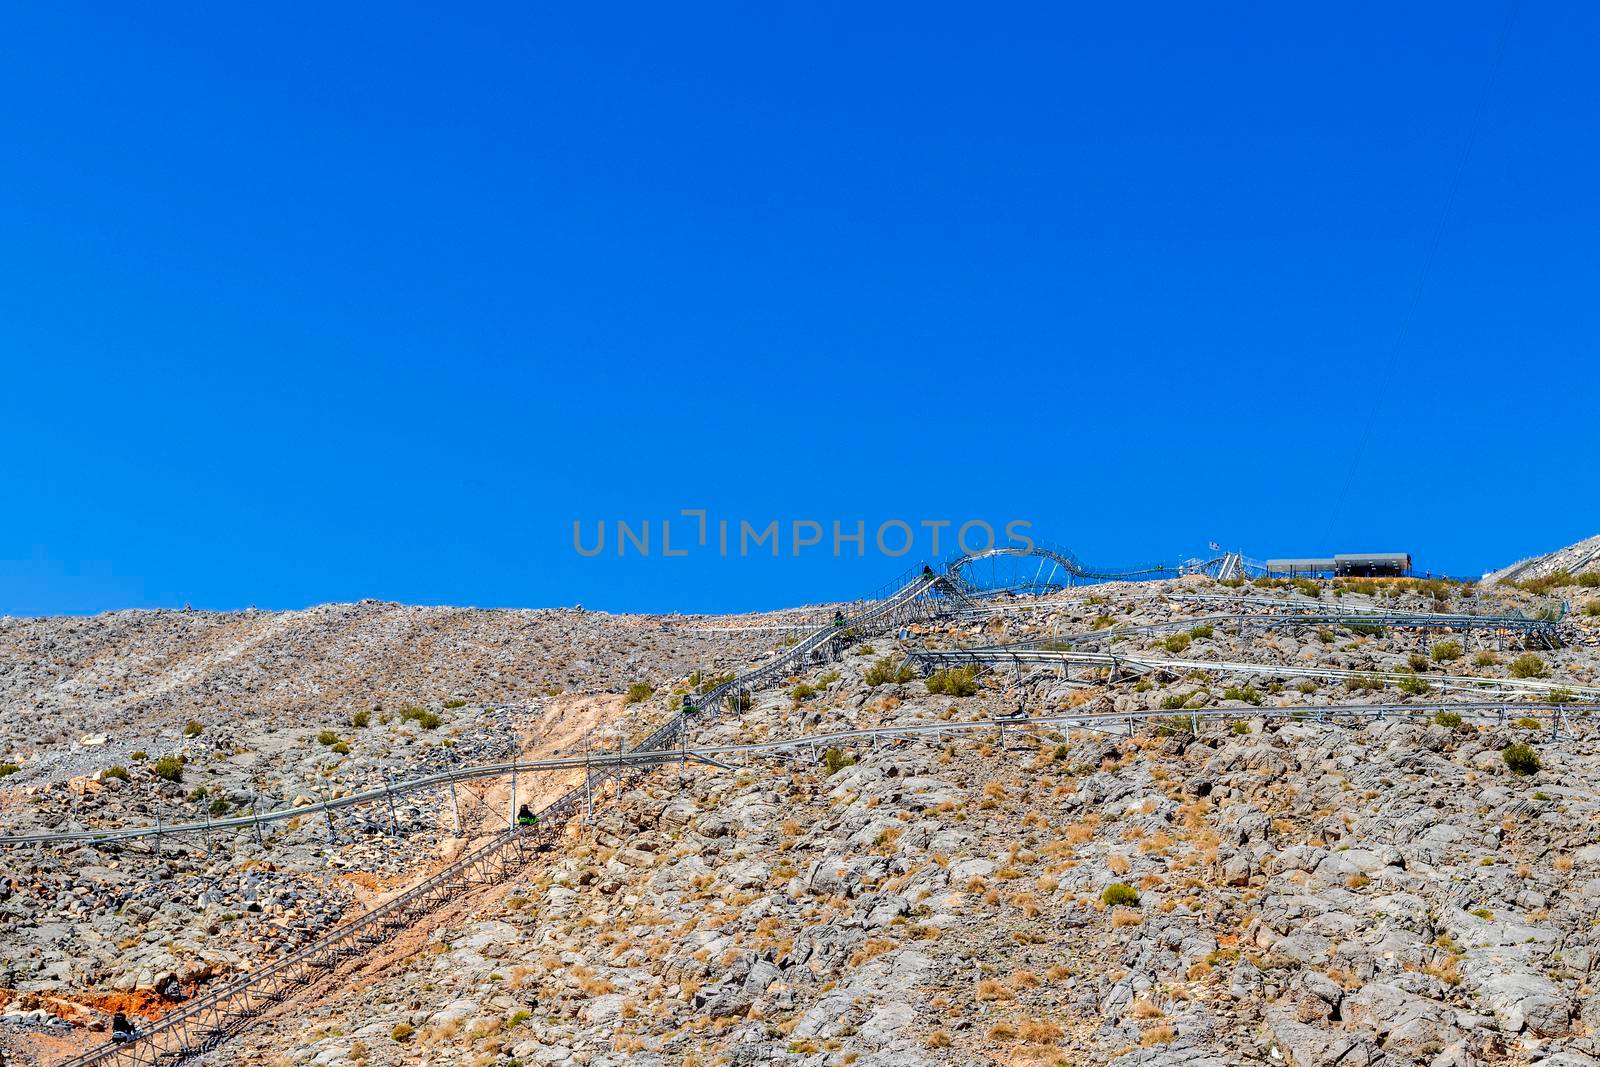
[1344,565]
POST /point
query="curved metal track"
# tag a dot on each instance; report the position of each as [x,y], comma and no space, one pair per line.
[1068,562]
[1532,631]
[1030,655]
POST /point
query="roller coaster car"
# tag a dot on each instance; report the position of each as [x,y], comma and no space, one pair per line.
[689,706]
[1018,714]
[838,619]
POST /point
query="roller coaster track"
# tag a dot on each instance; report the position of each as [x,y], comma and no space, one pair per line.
[1057,555]
[1032,655]
[204,1023]
[719,755]
[1532,631]
[1293,604]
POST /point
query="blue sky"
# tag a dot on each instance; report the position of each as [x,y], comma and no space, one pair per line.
[307,304]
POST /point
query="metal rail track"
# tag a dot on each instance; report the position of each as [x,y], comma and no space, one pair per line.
[1546,634]
[1024,655]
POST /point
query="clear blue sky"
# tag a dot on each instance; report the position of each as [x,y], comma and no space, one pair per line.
[320,302]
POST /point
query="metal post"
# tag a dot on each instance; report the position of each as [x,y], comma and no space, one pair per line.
[394,819]
[512,817]
[455,805]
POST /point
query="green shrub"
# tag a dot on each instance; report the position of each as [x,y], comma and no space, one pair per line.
[1448,718]
[1591,608]
[518,1018]
[957,682]
[361,719]
[1589,579]
[1445,651]
[1555,580]
[402,1032]
[885,671]
[217,807]
[1201,632]
[1520,758]
[740,701]
[193,729]
[1231,583]
[803,692]
[1246,693]
[1528,722]
[1174,701]
[1527,665]
[139,756]
[1241,727]
[422,717]
[1485,659]
[1417,662]
[1308,587]
[1059,754]
[118,772]
[1308,687]
[169,768]
[1363,683]
[1177,642]
[1414,686]
[8,769]
[638,692]
[452,705]
[1119,895]
[1560,695]
[341,747]
[327,737]
[834,760]
[1102,622]
[1326,636]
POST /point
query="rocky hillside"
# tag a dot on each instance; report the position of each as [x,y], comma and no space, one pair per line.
[1574,559]
[1267,883]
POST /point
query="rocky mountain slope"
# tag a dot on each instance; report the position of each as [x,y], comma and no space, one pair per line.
[1573,559]
[1263,884]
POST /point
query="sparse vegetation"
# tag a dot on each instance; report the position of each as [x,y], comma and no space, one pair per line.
[327,737]
[1201,632]
[1177,642]
[638,693]
[1448,718]
[8,769]
[956,682]
[885,671]
[118,772]
[361,719]
[428,720]
[1248,694]
[402,1032]
[1414,686]
[834,760]
[1240,727]
[169,768]
[1527,665]
[1446,651]
[1119,895]
[1521,758]
[193,729]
